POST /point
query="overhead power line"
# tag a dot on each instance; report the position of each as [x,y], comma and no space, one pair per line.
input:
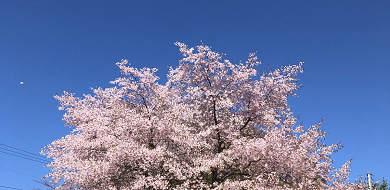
[23,157]
[10,187]
[22,154]
[18,153]
[38,155]
[19,173]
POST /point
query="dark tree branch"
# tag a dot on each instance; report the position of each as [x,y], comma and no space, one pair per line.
[232,174]
[215,114]
[221,144]
[238,172]
[246,123]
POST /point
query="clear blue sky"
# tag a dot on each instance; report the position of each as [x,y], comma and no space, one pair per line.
[54,46]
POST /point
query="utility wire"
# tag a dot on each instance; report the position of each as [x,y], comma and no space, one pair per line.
[24,157]
[19,173]
[23,154]
[37,155]
[18,153]
[10,187]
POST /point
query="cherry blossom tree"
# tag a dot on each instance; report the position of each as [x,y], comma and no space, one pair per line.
[212,125]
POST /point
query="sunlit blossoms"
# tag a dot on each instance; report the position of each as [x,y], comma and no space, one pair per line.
[213,125]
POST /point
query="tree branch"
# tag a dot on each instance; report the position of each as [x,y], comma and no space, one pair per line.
[246,123]
[215,114]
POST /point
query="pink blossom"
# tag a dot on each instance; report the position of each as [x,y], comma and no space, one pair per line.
[213,125]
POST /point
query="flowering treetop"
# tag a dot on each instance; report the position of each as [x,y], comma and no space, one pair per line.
[213,125]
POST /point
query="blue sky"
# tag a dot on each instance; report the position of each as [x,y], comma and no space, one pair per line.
[54,46]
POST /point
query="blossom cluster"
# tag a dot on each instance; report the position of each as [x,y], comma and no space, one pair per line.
[212,125]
